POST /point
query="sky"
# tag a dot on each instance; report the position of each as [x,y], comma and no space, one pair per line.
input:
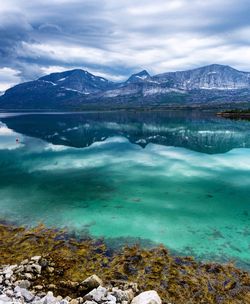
[115,38]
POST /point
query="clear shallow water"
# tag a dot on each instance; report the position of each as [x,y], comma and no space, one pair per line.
[182,179]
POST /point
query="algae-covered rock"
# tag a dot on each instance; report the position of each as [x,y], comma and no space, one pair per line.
[91,282]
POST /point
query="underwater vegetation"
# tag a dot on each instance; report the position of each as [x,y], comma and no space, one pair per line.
[176,279]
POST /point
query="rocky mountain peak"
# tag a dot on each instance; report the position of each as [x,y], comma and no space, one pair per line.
[139,77]
[78,80]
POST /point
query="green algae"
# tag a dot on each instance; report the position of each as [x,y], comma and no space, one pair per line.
[176,279]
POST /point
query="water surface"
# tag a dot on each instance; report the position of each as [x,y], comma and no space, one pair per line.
[178,178]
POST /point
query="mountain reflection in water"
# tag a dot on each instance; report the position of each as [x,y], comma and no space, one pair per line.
[197,131]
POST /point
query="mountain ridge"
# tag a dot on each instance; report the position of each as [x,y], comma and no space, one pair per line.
[75,88]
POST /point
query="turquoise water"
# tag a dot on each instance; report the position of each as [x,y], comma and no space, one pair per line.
[181,179]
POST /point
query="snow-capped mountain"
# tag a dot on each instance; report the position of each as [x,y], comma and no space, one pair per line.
[215,76]
[78,89]
[78,80]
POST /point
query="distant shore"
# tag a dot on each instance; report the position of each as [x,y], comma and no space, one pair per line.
[235,114]
[137,108]
[175,279]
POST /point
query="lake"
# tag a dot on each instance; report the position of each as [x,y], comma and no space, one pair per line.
[177,178]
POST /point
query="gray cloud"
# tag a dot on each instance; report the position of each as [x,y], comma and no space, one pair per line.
[110,37]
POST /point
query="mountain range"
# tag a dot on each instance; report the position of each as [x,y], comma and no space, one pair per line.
[78,89]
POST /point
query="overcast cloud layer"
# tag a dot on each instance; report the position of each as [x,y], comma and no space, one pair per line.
[114,38]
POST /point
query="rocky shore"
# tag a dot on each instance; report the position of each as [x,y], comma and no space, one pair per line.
[48,266]
[18,285]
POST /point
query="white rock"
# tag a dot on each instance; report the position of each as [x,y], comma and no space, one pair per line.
[96,294]
[147,297]
[123,295]
[4,299]
[28,276]
[8,274]
[18,295]
[49,299]
[36,258]
[68,299]
[59,298]
[9,293]
[38,287]
[12,267]
[110,299]
[7,282]
[38,268]
[28,296]
[34,268]
[17,289]
[19,269]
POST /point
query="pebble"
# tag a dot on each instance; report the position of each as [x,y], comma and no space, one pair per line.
[50,269]
[36,258]
[17,280]
[68,298]
[28,276]
[8,273]
[23,283]
[38,287]
[9,293]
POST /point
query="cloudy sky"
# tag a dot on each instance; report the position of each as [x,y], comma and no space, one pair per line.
[114,38]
